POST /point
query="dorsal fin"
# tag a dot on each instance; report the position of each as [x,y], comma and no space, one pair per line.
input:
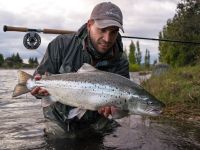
[86,68]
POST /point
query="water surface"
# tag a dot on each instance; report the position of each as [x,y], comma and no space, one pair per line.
[22,124]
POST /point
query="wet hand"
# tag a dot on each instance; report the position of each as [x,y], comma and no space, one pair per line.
[106,111]
[38,91]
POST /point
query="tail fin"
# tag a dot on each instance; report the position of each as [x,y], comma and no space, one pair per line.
[21,88]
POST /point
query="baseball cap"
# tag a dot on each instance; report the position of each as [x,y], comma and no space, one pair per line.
[107,14]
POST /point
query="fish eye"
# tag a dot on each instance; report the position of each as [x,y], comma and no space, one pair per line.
[149,102]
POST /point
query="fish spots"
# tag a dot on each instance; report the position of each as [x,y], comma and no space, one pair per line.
[129,93]
[117,96]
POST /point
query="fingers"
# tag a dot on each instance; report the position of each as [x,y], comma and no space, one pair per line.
[43,92]
[105,111]
[35,91]
[39,91]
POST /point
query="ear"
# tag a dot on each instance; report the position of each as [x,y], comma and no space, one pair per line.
[89,24]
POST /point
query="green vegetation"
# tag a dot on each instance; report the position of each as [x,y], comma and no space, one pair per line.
[134,67]
[132,53]
[33,62]
[184,26]
[1,60]
[135,58]
[147,59]
[138,54]
[15,62]
[179,89]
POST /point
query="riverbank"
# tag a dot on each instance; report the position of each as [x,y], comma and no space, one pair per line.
[179,89]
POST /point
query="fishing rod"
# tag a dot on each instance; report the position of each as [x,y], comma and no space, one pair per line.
[32,40]
[164,40]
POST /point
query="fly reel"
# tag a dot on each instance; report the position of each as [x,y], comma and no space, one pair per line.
[32,40]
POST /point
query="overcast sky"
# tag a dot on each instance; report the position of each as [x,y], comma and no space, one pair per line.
[144,18]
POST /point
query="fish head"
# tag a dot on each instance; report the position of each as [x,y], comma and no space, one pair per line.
[145,105]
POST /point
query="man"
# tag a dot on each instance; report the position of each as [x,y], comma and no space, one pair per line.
[98,43]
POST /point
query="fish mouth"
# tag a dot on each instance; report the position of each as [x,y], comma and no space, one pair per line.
[149,112]
[155,112]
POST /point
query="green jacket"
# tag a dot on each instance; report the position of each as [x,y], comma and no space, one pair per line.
[67,53]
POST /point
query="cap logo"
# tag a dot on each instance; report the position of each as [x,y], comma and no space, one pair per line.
[111,12]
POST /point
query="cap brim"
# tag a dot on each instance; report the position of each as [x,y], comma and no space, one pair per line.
[108,23]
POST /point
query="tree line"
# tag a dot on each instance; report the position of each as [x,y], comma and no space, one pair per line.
[15,61]
[184,26]
[135,57]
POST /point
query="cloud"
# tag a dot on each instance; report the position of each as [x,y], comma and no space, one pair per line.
[141,18]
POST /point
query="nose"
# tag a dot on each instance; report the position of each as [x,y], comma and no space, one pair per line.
[107,36]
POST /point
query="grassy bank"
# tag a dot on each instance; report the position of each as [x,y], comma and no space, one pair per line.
[179,89]
[138,68]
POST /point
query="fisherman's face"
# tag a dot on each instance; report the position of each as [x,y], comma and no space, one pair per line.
[102,38]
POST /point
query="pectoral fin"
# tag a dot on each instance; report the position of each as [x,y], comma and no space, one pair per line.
[79,112]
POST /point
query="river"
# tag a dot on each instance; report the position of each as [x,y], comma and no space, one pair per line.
[22,125]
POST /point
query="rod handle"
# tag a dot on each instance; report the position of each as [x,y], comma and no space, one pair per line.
[11,28]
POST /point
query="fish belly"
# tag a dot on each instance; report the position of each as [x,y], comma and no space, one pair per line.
[84,99]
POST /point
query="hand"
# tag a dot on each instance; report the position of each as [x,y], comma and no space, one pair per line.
[38,90]
[106,111]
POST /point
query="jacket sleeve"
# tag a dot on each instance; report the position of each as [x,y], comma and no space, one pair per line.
[122,60]
[52,58]
[123,66]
